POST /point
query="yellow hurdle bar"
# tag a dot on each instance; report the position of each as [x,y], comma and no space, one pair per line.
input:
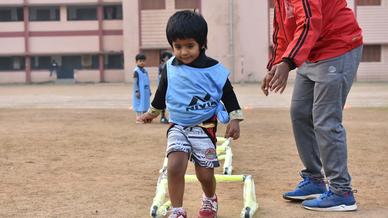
[161,191]
[164,168]
[219,178]
[220,149]
[228,168]
[249,196]
[221,139]
[224,152]
[163,210]
[221,157]
[160,196]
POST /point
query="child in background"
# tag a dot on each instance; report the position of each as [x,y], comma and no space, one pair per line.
[141,88]
[163,59]
[192,86]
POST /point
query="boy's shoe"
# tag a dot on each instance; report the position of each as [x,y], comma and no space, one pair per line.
[306,189]
[178,213]
[163,120]
[330,201]
[209,207]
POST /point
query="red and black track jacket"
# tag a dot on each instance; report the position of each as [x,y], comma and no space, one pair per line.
[312,30]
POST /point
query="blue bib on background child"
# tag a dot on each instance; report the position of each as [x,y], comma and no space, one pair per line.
[194,94]
[141,104]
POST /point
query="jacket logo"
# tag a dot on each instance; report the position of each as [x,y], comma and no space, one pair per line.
[198,103]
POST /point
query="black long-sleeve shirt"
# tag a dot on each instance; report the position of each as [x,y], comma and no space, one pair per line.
[228,97]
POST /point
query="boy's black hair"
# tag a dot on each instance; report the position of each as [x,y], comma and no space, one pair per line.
[165,54]
[140,57]
[187,24]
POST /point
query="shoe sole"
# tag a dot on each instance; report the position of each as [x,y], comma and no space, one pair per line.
[339,208]
[301,198]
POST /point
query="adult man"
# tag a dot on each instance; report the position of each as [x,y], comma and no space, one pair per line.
[321,38]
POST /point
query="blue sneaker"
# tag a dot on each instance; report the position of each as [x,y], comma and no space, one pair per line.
[330,201]
[307,189]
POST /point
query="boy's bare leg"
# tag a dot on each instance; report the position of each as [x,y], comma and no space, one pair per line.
[176,169]
[207,180]
[138,117]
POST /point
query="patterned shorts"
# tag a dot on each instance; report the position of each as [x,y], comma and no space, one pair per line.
[194,141]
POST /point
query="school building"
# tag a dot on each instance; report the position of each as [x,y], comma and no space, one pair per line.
[97,40]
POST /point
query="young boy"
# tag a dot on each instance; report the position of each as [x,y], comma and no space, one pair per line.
[163,60]
[192,86]
[141,88]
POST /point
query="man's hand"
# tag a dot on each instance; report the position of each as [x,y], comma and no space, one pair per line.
[267,78]
[147,117]
[279,80]
[233,129]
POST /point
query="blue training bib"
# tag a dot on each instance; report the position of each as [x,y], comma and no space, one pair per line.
[194,94]
[141,104]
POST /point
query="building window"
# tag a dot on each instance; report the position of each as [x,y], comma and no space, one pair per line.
[12,63]
[41,62]
[44,14]
[82,13]
[89,62]
[371,53]
[114,61]
[113,12]
[187,4]
[152,4]
[368,2]
[11,14]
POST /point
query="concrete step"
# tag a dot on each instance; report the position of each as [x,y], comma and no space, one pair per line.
[65,81]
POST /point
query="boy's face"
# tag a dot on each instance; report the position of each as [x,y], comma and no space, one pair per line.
[185,50]
[141,63]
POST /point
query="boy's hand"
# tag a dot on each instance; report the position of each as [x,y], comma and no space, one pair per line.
[233,129]
[147,117]
[267,78]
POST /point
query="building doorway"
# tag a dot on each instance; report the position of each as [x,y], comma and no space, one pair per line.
[69,63]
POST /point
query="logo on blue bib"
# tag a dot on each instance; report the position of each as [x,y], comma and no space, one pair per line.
[198,103]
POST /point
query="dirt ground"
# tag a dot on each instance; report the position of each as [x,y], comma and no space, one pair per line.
[74,162]
[85,163]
